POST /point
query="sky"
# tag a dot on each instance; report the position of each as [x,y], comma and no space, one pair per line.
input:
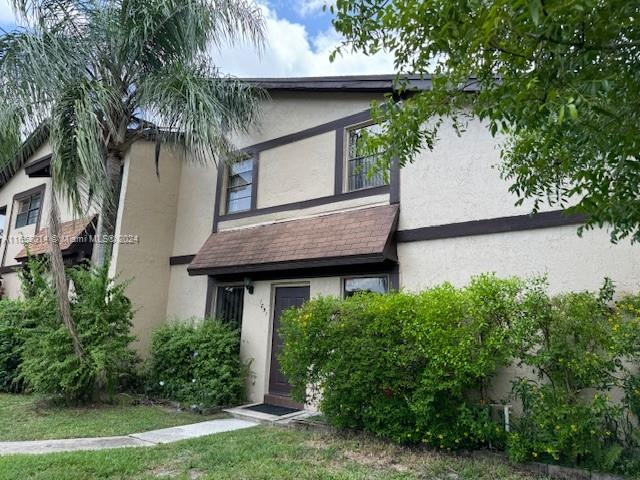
[299,37]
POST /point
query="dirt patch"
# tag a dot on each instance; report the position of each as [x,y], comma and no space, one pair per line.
[377,460]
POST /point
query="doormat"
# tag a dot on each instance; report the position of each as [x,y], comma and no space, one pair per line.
[272,409]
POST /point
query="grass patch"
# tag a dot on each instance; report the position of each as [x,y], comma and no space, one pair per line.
[27,417]
[258,453]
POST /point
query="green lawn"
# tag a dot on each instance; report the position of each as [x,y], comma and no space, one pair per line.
[25,417]
[257,453]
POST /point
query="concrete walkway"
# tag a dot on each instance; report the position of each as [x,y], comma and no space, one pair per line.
[146,439]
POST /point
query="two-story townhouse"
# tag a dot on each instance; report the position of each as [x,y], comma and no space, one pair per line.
[298,216]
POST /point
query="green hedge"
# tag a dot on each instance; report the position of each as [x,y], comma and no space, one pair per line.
[103,317]
[403,365]
[416,368]
[11,318]
[197,363]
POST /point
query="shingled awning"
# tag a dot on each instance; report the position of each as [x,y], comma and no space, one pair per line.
[74,237]
[363,236]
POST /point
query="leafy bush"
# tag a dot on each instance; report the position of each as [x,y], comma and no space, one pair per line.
[410,367]
[197,363]
[577,344]
[416,367]
[11,315]
[103,316]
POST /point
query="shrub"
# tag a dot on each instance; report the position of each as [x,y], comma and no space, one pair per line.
[197,363]
[410,367]
[577,344]
[416,367]
[11,315]
[103,316]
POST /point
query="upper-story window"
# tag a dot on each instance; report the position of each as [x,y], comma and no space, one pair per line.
[363,170]
[239,181]
[29,210]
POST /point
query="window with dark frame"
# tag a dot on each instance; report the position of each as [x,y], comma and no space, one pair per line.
[375,284]
[28,210]
[229,304]
[363,169]
[239,185]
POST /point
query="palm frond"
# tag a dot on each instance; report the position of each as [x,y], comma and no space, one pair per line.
[199,109]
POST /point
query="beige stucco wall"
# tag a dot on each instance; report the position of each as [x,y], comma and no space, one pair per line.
[297,171]
[195,207]
[289,112]
[187,295]
[570,262]
[258,323]
[456,182]
[147,209]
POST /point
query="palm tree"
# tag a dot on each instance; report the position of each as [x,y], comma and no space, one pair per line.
[102,74]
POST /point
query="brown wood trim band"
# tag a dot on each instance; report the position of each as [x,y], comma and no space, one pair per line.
[218,195]
[181,259]
[10,268]
[314,202]
[339,123]
[516,223]
[291,265]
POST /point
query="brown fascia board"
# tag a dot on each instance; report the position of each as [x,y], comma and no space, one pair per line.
[33,142]
[355,83]
[291,265]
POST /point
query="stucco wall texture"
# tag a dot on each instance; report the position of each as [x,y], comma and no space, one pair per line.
[148,207]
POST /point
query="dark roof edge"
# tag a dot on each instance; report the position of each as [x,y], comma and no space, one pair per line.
[353,83]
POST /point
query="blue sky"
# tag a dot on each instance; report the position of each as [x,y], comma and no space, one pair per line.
[300,38]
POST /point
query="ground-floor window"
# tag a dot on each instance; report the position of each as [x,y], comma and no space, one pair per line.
[229,302]
[376,284]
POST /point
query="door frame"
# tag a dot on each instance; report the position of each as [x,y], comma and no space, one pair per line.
[275,399]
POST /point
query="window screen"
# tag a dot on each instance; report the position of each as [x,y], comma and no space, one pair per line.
[229,303]
[363,170]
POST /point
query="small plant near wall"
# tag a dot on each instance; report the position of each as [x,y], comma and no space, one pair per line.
[197,363]
[417,368]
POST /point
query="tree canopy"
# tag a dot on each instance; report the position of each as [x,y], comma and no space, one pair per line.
[101,74]
[557,80]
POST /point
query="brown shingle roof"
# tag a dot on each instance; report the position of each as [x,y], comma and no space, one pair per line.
[356,236]
[69,234]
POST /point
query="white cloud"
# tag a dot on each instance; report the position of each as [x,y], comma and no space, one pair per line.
[6,13]
[290,52]
[308,7]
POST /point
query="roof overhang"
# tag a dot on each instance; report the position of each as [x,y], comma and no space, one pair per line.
[39,168]
[356,237]
[357,83]
[74,238]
